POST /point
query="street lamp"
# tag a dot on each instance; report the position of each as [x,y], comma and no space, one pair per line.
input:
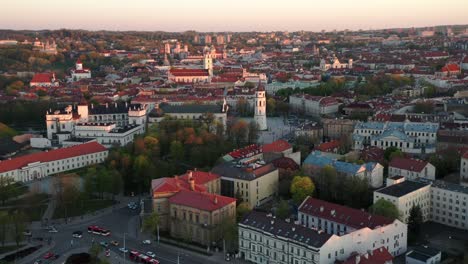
[124,248]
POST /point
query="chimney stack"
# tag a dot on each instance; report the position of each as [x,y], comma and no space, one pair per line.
[216,200]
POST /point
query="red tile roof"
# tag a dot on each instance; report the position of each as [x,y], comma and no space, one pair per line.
[465,156]
[451,68]
[328,146]
[57,154]
[200,177]
[286,163]
[246,151]
[408,164]
[173,185]
[202,201]
[189,72]
[276,146]
[341,214]
[377,256]
[42,78]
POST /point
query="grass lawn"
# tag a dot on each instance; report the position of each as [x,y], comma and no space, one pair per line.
[81,208]
[6,249]
[37,198]
[33,205]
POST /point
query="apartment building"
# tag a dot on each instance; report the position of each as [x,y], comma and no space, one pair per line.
[405,195]
[358,231]
[411,168]
[249,179]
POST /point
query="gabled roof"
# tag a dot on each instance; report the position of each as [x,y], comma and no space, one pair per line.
[408,164]
[328,146]
[341,214]
[276,146]
[42,78]
[284,230]
[200,200]
[451,68]
[173,185]
[48,156]
[200,177]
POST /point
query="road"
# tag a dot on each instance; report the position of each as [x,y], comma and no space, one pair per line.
[121,221]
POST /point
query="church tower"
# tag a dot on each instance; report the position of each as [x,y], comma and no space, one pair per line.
[208,61]
[79,65]
[260,107]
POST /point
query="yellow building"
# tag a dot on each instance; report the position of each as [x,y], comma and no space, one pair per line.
[199,217]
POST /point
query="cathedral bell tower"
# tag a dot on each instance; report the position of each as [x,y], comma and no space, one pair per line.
[260,107]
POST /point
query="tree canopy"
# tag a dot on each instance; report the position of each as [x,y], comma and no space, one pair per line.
[301,187]
[385,208]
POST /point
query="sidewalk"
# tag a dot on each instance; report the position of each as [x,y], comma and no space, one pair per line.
[38,254]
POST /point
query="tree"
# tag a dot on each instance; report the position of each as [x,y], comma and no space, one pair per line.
[327,182]
[415,220]
[392,152]
[18,220]
[238,132]
[253,132]
[301,187]
[229,233]
[151,223]
[94,251]
[4,224]
[177,151]
[385,208]
[282,210]
[242,210]
[8,189]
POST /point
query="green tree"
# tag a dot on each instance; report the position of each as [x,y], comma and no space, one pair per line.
[253,133]
[177,151]
[4,224]
[283,210]
[327,184]
[301,187]
[94,251]
[415,220]
[392,152]
[18,220]
[151,223]
[242,210]
[385,208]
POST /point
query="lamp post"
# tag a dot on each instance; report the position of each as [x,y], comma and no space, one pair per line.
[124,248]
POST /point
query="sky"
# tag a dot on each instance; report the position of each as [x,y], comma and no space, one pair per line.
[229,15]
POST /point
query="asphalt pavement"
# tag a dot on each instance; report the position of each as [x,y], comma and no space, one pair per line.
[123,222]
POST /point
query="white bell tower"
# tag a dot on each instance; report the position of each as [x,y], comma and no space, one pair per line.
[208,61]
[260,107]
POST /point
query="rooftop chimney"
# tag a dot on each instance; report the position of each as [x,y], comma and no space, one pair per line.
[216,200]
[321,208]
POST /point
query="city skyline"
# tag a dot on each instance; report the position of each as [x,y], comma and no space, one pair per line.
[213,16]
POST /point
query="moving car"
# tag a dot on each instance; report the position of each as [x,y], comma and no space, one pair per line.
[27,233]
[115,243]
[124,250]
[104,244]
[49,255]
[147,242]
[150,254]
[77,234]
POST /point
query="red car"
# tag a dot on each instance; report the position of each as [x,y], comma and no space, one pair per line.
[49,255]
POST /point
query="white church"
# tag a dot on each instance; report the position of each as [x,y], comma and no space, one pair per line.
[79,72]
[335,64]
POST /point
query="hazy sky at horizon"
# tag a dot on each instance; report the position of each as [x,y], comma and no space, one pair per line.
[226,15]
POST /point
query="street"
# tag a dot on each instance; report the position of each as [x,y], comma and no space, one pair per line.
[121,222]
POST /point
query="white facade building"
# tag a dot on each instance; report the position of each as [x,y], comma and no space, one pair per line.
[314,105]
[411,168]
[42,164]
[358,231]
[409,137]
[464,167]
[79,72]
[335,64]
[441,202]
[117,123]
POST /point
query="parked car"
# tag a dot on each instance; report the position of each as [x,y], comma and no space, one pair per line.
[53,230]
[38,261]
[115,243]
[147,242]
[150,254]
[27,233]
[124,250]
[104,244]
[77,234]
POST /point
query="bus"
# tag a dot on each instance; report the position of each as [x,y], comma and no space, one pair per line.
[142,258]
[98,230]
